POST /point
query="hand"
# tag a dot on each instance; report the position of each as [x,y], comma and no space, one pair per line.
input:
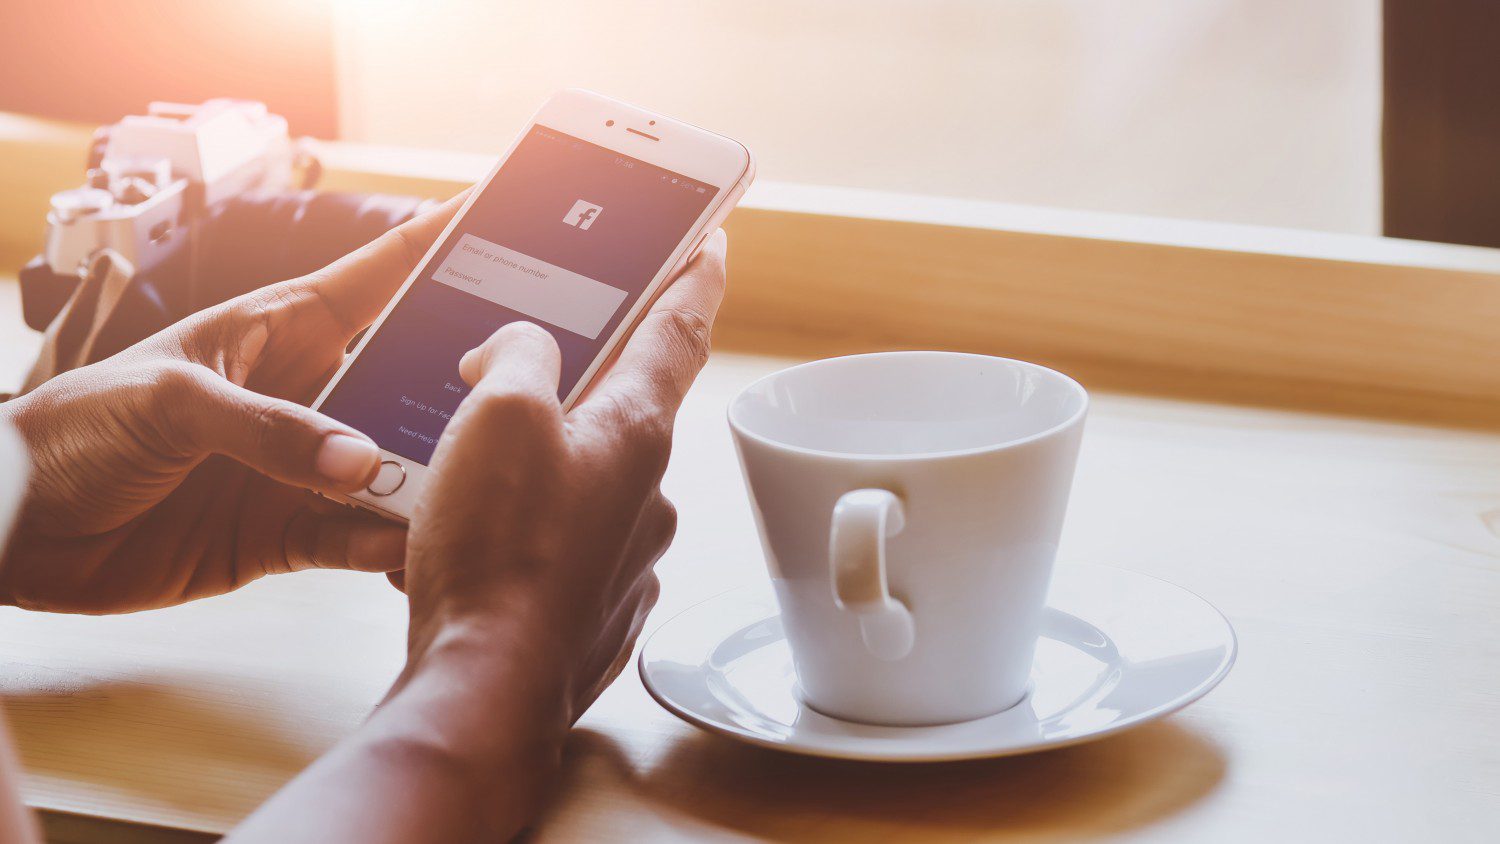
[529,571]
[544,525]
[178,468]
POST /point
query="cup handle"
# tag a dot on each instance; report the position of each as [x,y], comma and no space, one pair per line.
[862,520]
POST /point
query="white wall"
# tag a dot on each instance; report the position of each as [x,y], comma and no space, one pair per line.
[1258,111]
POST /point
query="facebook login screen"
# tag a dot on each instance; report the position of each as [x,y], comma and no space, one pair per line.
[567,235]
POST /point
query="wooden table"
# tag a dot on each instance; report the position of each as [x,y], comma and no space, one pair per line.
[1357,561]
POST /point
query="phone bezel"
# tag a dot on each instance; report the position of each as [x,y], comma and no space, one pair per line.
[700,155]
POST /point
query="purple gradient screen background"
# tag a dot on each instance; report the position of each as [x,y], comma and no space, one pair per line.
[405,384]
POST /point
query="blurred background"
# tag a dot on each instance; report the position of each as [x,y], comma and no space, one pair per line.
[1251,111]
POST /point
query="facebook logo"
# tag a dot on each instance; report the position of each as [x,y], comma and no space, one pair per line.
[583,214]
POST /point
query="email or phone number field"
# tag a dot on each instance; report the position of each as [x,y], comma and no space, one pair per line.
[536,288]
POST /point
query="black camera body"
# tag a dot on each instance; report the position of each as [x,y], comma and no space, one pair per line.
[183,208]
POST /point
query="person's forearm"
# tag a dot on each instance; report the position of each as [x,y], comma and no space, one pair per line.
[465,748]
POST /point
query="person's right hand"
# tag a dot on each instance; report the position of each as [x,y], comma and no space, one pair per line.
[530,552]
[528,566]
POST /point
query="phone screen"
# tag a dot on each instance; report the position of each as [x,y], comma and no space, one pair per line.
[567,234]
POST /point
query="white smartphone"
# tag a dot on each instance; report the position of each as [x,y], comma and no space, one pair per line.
[595,207]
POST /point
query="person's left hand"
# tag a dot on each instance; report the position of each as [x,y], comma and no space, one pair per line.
[179,468]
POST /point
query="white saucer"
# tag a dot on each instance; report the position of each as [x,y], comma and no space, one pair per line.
[1118,649]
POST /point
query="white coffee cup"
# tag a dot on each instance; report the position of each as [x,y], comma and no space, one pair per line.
[910,505]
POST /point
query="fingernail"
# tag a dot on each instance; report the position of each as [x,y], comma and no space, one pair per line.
[346,460]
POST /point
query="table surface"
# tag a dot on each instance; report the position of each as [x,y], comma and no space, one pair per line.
[1356,559]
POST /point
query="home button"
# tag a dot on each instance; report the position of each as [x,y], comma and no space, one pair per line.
[389,479]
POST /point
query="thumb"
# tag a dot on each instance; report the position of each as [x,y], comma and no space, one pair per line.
[281,439]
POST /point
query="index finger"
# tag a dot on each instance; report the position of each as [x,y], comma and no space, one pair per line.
[671,344]
[357,286]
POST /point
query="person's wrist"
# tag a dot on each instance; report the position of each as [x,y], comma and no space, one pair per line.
[496,648]
[531,625]
[502,667]
[481,719]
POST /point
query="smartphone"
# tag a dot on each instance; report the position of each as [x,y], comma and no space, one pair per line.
[592,211]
